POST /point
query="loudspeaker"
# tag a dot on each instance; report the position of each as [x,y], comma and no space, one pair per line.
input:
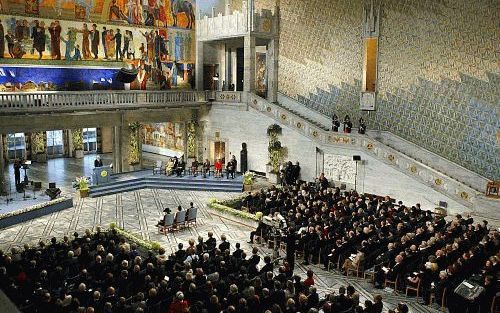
[243,158]
[356,158]
[443,204]
[126,75]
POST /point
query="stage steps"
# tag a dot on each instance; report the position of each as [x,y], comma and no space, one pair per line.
[162,182]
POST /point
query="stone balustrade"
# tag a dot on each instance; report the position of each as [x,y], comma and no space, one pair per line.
[51,101]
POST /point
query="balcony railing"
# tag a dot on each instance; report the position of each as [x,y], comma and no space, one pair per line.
[51,101]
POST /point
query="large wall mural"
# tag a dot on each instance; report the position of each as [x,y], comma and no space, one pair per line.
[164,138]
[159,13]
[156,37]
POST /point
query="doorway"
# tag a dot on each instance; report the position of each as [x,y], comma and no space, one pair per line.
[219,151]
[90,140]
[55,143]
[16,146]
[209,72]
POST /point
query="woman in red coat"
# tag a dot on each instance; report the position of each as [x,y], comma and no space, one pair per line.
[218,168]
[179,305]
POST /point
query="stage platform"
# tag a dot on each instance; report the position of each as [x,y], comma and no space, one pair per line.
[145,179]
[19,203]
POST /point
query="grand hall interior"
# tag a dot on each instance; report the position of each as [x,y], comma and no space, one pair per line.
[249,156]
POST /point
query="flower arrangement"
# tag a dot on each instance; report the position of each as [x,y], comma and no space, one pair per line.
[274,130]
[77,138]
[33,207]
[191,140]
[82,183]
[248,178]
[146,244]
[214,204]
[275,149]
[134,153]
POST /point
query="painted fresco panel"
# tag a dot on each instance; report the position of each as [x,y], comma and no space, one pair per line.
[162,64]
[158,13]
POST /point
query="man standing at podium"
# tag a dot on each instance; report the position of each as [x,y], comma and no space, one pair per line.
[17,172]
[98,161]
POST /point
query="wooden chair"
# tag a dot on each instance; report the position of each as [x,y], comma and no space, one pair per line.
[159,168]
[180,219]
[168,222]
[370,273]
[358,270]
[414,288]
[191,216]
[394,283]
[330,263]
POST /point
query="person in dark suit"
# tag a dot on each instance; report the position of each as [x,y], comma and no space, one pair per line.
[291,247]
[238,252]
[362,126]
[377,304]
[98,162]
[486,298]
[211,242]
[347,124]
[17,172]
[224,245]
[231,167]
[335,123]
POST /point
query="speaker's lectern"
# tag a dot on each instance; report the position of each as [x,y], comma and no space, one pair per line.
[101,175]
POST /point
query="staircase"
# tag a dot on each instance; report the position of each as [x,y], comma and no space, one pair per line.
[137,180]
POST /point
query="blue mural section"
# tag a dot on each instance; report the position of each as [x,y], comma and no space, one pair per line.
[18,78]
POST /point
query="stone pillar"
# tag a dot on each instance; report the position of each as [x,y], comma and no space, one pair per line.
[222,66]
[185,142]
[199,66]
[272,70]
[69,140]
[249,64]
[117,149]
[234,68]
[2,161]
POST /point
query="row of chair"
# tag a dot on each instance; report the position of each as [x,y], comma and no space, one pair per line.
[178,220]
[159,168]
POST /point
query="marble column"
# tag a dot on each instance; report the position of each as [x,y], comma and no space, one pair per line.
[222,66]
[2,160]
[234,68]
[249,64]
[117,149]
[185,142]
[199,66]
[69,140]
[272,68]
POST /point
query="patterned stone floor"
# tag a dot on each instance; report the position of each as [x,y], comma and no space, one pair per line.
[139,211]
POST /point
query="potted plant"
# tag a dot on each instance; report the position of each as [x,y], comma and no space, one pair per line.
[276,153]
[248,179]
[77,138]
[82,184]
[38,143]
